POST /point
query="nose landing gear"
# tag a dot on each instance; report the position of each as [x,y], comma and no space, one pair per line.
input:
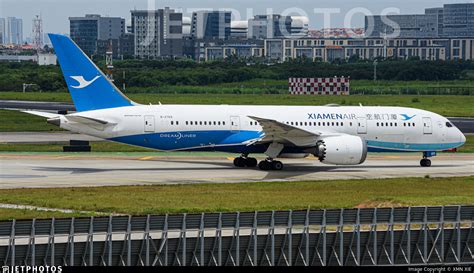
[425,162]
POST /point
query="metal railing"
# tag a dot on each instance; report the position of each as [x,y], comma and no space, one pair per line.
[375,236]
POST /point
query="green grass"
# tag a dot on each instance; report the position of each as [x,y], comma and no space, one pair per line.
[9,214]
[461,106]
[104,146]
[15,121]
[251,196]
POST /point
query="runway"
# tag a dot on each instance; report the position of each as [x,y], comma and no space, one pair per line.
[59,170]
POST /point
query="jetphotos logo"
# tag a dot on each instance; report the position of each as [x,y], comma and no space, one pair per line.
[32,269]
[83,83]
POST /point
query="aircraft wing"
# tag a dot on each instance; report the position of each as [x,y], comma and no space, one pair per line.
[275,131]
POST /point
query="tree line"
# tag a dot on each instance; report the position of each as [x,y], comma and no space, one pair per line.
[148,73]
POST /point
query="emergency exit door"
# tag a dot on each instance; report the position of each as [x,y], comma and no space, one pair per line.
[149,123]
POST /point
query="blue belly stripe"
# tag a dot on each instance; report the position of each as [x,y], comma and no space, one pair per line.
[224,140]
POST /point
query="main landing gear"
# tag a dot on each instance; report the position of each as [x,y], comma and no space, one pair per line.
[264,165]
[270,164]
[425,162]
[244,161]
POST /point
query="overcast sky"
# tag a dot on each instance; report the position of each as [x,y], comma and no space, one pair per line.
[55,13]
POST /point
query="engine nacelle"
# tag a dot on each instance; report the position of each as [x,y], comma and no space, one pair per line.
[341,150]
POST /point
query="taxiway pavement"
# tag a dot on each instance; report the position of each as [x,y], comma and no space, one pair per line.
[19,170]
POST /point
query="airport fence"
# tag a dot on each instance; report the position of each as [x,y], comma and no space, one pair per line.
[368,236]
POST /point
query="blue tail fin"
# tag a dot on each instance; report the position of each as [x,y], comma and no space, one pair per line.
[90,89]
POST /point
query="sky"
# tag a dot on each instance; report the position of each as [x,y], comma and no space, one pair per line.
[339,13]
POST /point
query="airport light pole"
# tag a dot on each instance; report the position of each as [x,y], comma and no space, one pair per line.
[375,70]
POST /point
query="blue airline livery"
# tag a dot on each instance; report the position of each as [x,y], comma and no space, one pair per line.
[337,135]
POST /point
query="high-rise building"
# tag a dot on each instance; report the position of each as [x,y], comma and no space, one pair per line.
[239,29]
[299,26]
[269,27]
[2,31]
[86,31]
[438,13]
[13,31]
[158,33]
[458,20]
[413,25]
[210,25]
[452,20]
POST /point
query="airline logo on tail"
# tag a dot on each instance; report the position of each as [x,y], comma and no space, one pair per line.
[83,83]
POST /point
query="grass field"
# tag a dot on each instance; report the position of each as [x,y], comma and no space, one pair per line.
[250,196]
[8,214]
[117,147]
[461,106]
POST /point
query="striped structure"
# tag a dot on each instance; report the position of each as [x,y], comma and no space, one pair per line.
[319,86]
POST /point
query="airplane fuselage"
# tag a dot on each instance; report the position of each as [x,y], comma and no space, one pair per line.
[229,128]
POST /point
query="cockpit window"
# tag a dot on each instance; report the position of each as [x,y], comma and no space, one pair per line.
[449,124]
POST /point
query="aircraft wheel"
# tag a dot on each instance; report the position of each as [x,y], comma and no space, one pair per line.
[425,162]
[239,162]
[265,165]
[277,165]
[251,162]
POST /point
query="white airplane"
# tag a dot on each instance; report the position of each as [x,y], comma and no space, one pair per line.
[336,135]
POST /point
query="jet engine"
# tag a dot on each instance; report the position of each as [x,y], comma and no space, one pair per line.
[341,150]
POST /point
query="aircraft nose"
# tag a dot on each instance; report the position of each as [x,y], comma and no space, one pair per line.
[463,138]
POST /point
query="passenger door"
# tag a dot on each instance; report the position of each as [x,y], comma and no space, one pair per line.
[234,124]
[427,126]
[149,122]
[362,125]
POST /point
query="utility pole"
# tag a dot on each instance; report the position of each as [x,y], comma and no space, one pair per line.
[109,61]
[375,70]
[38,32]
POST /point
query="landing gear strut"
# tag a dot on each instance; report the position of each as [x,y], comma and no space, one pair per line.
[244,161]
[270,164]
[425,162]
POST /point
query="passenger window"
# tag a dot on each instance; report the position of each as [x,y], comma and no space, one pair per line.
[171,122]
[218,123]
[377,124]
[177,122]
[333,124]
[186,123]
[223,123]
[319,123]
[413,124]
[342,123]
[200,123]
[350,124]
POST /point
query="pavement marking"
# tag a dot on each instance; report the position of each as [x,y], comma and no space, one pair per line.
[146,158]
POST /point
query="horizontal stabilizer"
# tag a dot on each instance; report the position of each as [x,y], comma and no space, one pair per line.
[42,114]
[87,120]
